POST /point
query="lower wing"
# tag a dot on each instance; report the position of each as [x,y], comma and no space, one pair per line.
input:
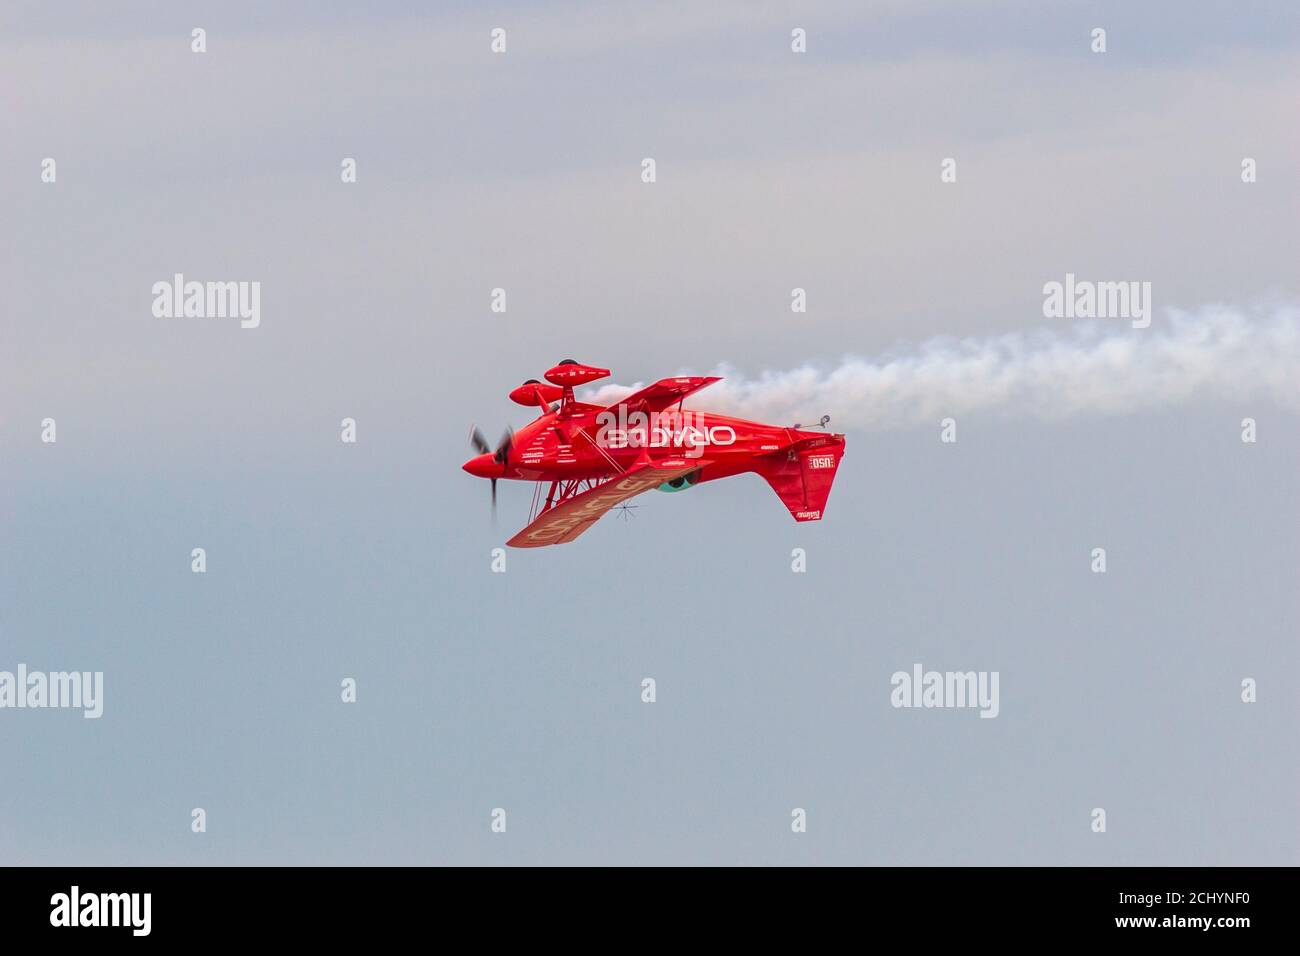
[562,523]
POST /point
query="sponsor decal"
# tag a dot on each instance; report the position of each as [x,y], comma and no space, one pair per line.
[667,429]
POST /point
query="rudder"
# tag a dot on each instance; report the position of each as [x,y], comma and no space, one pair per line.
[802,476]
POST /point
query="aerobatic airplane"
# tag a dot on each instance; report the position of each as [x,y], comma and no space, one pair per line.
[596,457]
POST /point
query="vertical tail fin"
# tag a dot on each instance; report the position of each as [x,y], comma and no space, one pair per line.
[802,475]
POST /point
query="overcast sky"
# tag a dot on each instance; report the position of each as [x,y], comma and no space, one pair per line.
[522,690]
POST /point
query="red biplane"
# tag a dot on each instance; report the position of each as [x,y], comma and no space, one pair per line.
[595,457]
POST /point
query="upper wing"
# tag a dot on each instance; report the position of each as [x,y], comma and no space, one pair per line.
[564,522]
[657,397]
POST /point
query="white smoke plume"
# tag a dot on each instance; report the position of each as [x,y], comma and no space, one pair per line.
[1099,367]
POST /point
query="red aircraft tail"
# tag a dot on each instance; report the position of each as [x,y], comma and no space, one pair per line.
[802,474]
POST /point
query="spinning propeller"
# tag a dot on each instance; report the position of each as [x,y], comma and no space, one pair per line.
[501,456]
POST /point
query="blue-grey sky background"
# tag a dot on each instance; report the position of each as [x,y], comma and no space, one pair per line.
[522,690]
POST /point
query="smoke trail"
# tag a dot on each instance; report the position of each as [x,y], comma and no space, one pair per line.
[1095,367]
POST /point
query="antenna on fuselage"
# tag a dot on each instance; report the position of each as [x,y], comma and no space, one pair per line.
[825,419]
